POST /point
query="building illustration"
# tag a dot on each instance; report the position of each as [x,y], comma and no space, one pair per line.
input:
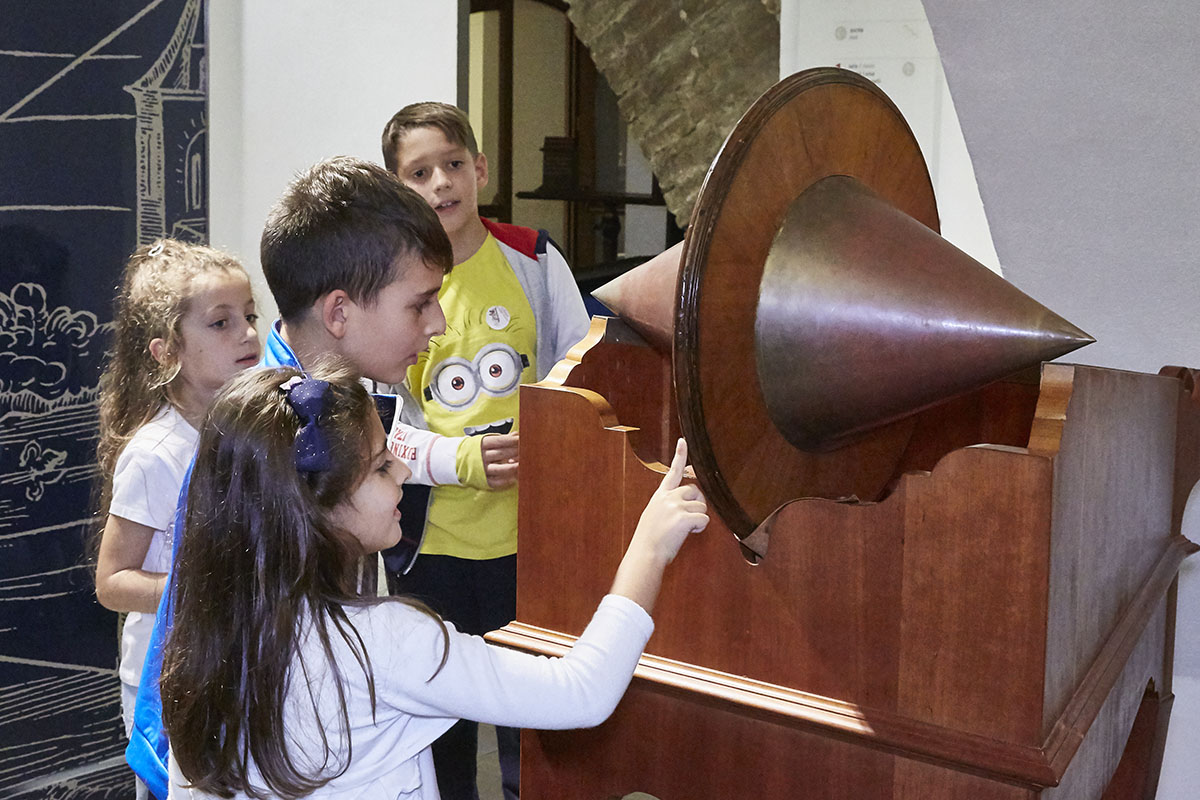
[103,146]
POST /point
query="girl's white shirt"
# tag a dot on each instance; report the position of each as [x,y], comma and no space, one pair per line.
[146,483]
[391,755]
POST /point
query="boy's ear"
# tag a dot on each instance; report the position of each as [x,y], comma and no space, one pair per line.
[335,309]
[158,350]
[481,171]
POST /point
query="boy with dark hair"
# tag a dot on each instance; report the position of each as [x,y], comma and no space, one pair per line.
[342,224]
[512,312]
[355,261]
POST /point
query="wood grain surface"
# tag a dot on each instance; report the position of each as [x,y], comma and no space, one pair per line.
[988,628]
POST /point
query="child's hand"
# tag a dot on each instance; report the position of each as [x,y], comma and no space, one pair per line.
[673,512]
[500,459]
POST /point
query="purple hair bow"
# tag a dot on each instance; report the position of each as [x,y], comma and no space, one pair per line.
[308,397]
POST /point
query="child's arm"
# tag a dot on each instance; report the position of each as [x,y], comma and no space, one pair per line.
[437,460]
[673,512]
[479,462]
[499,453]
[505,687]
[121,583]
[431,457]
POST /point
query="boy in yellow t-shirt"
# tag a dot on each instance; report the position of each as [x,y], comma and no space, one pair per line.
[512,311]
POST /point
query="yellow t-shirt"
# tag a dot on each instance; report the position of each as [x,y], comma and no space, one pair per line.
[466,384]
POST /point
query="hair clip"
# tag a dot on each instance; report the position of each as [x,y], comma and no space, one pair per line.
[308,397]
[158,248]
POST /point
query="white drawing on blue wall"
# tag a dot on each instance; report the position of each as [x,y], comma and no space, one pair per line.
[103,120]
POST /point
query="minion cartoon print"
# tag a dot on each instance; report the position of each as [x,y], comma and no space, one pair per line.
[472,390]
[494,371]
[466,385]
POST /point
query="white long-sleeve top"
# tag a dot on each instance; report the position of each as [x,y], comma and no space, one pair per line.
[391,756]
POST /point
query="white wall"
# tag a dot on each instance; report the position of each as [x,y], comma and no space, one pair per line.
[1081,118]
[890,42]
[294,82]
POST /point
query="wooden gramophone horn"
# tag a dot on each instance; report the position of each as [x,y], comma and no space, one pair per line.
[817,308]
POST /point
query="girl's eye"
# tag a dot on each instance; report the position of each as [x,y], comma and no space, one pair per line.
[419,174]
[218,324]
[252,318]
[455,164]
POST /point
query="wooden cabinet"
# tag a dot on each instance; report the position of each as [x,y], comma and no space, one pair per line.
[990,628]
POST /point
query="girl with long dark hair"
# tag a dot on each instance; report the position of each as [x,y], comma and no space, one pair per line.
[281,681]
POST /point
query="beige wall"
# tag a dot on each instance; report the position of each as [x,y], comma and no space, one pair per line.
[483,99]
[539,107]
[540,37]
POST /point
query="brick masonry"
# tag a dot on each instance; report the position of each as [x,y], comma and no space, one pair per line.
[684,72]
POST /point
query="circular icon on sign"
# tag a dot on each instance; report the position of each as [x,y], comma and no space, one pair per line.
[839,33]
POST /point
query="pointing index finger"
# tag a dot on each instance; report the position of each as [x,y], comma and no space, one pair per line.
[678,463]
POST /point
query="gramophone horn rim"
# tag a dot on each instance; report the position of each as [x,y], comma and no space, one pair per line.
[812,125]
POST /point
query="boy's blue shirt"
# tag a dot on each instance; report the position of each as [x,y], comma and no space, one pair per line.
[147,750]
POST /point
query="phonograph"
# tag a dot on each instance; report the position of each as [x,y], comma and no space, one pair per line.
[937,567]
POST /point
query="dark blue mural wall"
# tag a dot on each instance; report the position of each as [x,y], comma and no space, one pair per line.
[102,147]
